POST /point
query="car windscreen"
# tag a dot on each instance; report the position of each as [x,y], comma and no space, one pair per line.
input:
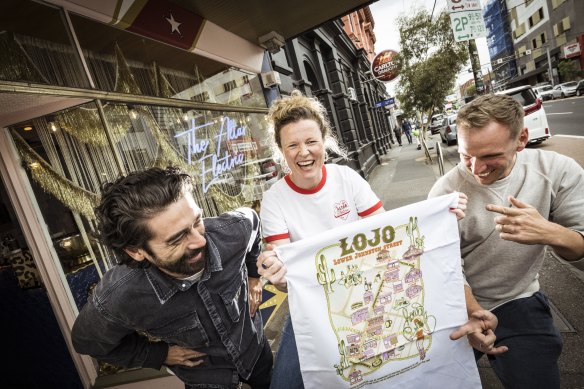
[525,97]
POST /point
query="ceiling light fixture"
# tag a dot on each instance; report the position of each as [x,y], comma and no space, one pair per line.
[51,122]
[132,111]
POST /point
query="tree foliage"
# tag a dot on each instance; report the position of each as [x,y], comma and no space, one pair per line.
[429,61]
[471,90]
[568,71]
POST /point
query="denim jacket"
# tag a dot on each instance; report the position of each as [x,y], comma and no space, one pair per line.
[136,314]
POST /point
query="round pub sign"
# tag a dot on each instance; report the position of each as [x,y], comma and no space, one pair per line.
[384,67]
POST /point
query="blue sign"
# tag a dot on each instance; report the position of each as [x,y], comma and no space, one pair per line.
[383,103]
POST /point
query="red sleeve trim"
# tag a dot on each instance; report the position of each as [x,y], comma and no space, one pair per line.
[369,211]
[277,237]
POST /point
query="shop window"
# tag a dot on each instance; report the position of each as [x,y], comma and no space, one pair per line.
[69,155]
[123,62]
[67,164]
[40,55]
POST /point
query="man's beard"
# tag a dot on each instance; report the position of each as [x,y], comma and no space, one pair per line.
[181,266]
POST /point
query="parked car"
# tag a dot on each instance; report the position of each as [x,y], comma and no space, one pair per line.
[448,130]
[544,92]
[436,122]
[566,89]
[535,118]
[580,88]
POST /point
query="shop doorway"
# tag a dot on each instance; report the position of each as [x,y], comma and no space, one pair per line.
[35,353]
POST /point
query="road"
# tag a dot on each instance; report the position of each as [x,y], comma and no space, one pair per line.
[565,116]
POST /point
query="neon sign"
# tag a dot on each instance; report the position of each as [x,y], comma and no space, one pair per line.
[217,163]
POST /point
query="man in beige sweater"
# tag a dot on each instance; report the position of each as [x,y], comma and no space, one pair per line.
[519,201]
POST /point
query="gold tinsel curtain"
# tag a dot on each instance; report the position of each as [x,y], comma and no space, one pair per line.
[71,195]
[15,64]
[157,126]
[85,124]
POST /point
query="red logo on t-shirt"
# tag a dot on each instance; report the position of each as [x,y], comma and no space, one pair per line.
[342,210]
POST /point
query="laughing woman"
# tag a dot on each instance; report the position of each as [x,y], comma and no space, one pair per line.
[312,198]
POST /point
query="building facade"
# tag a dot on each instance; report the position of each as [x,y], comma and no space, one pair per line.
[500,42]
[359,26]
[545,33]
[91,90]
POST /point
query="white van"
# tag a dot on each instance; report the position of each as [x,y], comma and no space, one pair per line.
[535,118]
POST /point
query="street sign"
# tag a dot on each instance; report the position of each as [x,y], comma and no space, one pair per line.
[463,5]
[467,20]
[383,103]
[467,25]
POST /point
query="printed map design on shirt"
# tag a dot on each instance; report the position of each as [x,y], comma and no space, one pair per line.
[375,295]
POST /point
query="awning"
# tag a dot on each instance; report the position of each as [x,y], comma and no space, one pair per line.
[527,75]
[224,30]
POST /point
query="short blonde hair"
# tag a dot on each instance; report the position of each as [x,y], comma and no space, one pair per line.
[485,109]
[296,107]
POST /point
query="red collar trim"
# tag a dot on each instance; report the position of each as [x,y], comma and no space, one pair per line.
[314,190]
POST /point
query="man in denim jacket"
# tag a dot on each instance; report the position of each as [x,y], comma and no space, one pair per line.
[185,291]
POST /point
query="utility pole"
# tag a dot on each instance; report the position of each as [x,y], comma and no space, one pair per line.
[550,72]
[467,22]
[476,66]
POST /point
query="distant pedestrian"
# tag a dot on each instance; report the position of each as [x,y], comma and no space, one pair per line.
[416,134]
[520,202]
[407,129]
[398,134]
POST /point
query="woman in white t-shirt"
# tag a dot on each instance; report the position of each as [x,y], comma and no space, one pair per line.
[312,198]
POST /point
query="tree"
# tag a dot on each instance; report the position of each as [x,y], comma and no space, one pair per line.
[471,90]
[568,71]
[429,61]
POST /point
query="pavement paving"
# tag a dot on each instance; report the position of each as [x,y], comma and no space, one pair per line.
[406,176]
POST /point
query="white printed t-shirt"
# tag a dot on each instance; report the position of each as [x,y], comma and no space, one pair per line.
[290,212]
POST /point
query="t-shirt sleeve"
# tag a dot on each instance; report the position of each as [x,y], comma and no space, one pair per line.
[568,202]
[273,222]
[365,199]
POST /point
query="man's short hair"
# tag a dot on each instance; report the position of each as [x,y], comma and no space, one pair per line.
[485,109]
[129,202]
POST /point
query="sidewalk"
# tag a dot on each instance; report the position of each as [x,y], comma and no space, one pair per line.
[404,177]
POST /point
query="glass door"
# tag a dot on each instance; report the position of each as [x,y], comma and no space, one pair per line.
[39,357]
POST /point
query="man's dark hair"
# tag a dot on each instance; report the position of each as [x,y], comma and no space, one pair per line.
[129,202]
